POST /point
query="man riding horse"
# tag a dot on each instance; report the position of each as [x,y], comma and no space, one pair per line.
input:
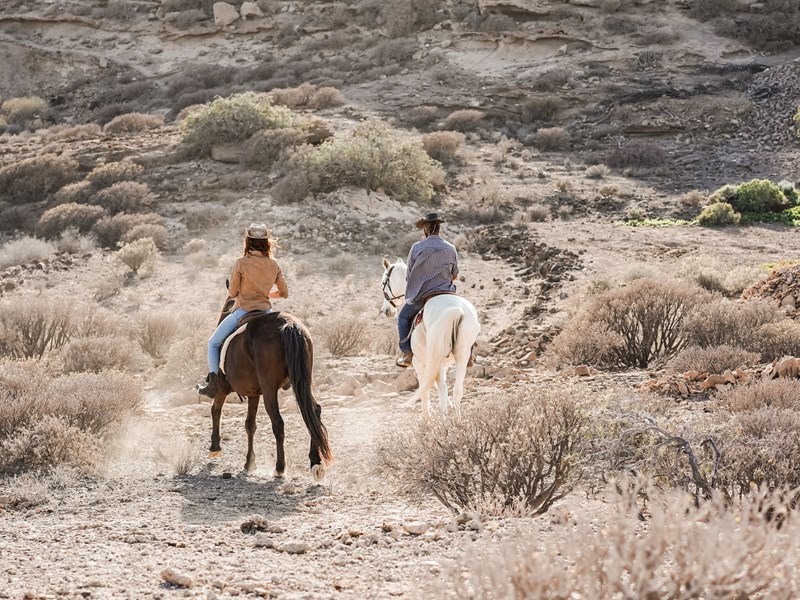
[432,268]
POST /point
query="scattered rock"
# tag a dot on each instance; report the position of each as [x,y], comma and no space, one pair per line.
[173,577]
[224,14]
[294,548]
[250,9]
[416,527]
[262,540]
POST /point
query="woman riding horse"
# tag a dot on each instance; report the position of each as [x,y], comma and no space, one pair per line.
[252,279]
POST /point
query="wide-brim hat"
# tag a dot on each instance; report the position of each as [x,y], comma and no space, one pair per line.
[429,218]
[257,231]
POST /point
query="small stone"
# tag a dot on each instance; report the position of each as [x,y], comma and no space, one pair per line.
[262,540]
[415,527]
[224,14]
[295,548]
[171,576]
[227,475]
[581,371]
[250,9]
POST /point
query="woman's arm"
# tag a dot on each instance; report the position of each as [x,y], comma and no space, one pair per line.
[282,290]
[236,280]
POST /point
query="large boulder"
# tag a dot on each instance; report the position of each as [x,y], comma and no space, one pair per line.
[224,14]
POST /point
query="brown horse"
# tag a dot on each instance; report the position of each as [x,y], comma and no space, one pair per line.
[274,351]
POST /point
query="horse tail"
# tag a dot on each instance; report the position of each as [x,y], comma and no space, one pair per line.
[297,354]
[441,337]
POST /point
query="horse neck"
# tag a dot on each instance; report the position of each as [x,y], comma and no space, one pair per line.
[398,279]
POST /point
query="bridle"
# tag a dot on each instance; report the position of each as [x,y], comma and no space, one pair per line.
[387,289]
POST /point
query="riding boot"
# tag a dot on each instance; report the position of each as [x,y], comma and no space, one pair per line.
[405,360]
[210,387]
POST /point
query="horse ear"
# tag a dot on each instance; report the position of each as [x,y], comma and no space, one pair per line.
[400,260]
[386,263]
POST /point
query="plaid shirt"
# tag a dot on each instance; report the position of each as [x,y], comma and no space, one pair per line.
[432,266]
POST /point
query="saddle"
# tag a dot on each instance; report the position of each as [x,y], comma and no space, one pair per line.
[240,327]
[418,318]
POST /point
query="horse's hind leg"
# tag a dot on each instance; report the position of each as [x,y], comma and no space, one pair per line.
[216,414]
[458,386]
[250,428]
[271,404]
[441,385]
[317,468]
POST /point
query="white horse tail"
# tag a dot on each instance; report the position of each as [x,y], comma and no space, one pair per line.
[441,338]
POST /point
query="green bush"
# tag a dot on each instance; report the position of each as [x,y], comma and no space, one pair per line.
[34,179]
[372,156]
[232,119]
[718,214]
[64,216]
[755,196]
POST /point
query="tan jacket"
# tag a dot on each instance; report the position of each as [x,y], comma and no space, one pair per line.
[252,279]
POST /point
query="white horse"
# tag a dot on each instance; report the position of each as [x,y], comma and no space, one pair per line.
[444,337]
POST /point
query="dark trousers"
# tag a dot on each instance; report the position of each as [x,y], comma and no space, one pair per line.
[404,320]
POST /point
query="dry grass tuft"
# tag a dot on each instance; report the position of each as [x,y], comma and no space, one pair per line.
[157,331]
[125,196]
[771,393]
[58,219]
[347,337]
[107,174]
[443,145]
[139,254]
[34,179]
[94,355]
[716,359]
[23,109]
[133,123]
[636,154]
[65,133]
[552,138]
[23,251]
[31,328]
[110,231]
[467,119]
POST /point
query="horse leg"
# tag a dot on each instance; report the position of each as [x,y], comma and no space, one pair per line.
[441,384]
[250,428]
[458,385]
[273,410]
[317,469]
[216,414]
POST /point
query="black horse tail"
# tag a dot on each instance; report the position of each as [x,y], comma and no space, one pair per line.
[298,364]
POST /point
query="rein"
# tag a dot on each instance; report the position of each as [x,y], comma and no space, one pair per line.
[390,295]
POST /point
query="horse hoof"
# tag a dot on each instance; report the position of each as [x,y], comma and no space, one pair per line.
[277,474]
[318,472]
[214,453]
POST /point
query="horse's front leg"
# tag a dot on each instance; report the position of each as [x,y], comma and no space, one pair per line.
[216,414]
[271,404]
[250,428]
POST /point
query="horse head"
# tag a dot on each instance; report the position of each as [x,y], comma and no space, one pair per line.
[393,283]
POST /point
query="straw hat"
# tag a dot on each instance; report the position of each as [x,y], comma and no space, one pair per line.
[257,231]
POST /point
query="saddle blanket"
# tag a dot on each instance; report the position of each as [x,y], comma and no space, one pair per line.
[227,343]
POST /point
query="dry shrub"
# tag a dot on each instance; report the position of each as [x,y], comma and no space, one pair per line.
[347,337]
[293,187]
[45,444]
[778,339]
[295,97]
[763,450]
[539,109]
[142,253]
[779,393]
[133,123]
[68,216]
[153,231]
[647,314]
[597,172]
[65,133]
[552,138]
[78,192]
[716,359]
[327,97]
[467,119]
[443,145]
[107,174]
[92,404]
[518,453]
[204,218]
[583,342]
[71,241]
[679,552]
[29,329]
[157,331]
[125,196]
[24,109]
[268,147]
[179,454]
[728,323]
[421,116]
[232,119]
[34,179]
[93,355]
[196,245]
[109,231]
[187,357]
[715,276]
[636,154]
[547,82]
[23,251]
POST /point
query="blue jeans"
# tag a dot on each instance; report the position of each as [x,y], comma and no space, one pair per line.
[224,329]
[404,319]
